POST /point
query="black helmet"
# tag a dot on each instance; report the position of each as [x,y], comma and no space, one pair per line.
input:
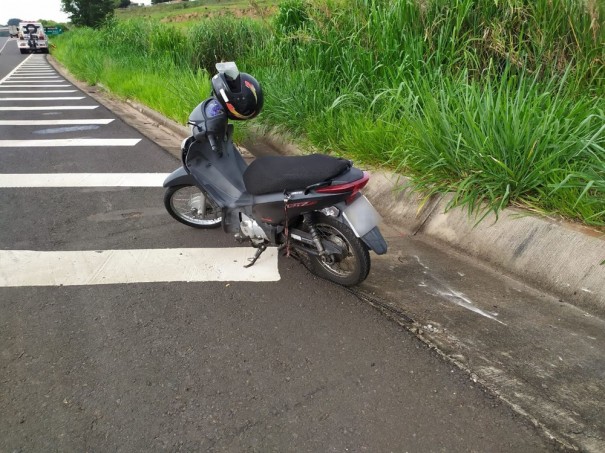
[239,93]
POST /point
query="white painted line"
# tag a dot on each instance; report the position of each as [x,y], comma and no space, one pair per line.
[14,70]
[82,180]
[50,107]
[36,75]
[103,267]
[32,81]
[36,86]
[52,122]
[69,142]
[66,98]
[16,77]
[5,45]
[36,91]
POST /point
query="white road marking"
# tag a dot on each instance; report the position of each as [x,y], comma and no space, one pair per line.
[65,98]
[52,122]
[69,142]
[82,180]
[32,81]
[15,69]
[50,107]
[36,91]
[102,267]
[35,86]
[17,77]
[5,45]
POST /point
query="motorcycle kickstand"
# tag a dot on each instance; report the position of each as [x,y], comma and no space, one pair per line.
[261,248]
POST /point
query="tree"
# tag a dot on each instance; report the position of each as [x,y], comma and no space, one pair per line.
[89,13]
[122,3]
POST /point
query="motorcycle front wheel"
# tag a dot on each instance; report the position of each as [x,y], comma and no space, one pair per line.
[192,206]
[353,266]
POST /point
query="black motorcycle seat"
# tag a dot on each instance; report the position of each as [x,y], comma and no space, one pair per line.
[283,173]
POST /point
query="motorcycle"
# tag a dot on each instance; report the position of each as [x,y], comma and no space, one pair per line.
[310,206]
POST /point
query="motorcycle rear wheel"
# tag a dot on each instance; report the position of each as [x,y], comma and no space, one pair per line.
[192,206]
[353,267]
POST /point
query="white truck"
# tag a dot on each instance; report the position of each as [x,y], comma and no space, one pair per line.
[32,38]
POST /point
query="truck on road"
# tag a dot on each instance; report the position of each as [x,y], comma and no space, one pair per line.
[32,38]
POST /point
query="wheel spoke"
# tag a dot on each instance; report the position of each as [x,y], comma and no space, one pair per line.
[192,205]
[346,265]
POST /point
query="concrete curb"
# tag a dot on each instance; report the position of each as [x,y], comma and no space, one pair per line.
[559,257]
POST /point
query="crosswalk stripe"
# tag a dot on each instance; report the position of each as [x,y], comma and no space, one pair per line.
[15,76]
[65,98]
[50,107]
[14,180]
[69,142]
[36,91]
[31,81]
[53,122]
[33,86]
[99,267]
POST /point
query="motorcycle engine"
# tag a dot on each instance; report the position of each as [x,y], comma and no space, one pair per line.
[252,230]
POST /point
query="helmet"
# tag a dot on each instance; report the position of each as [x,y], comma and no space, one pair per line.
[239,93]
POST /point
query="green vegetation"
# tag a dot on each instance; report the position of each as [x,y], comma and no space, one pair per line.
[88,13]
[188,13]
[500,101]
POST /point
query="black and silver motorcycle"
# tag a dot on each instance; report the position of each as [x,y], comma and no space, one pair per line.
[309,206]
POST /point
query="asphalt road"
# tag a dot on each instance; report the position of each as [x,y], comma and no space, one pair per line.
[296,364]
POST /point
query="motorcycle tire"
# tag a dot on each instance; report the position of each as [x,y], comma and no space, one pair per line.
[183,203]
[354,267]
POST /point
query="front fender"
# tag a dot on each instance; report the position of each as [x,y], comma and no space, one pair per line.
[179,177]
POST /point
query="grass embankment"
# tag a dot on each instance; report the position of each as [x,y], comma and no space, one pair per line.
[188,13]
[498,101]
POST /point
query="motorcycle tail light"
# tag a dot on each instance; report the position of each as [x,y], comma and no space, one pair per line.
[353,187]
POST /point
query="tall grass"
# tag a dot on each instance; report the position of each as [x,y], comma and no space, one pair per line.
[499,101]
[153,63]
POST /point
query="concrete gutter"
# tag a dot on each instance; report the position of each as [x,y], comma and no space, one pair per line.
[557,256]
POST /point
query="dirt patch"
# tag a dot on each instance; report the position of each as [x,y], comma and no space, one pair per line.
[251,12]
[188,17]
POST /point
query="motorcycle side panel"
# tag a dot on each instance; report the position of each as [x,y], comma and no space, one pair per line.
[219,174]
[271,208]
